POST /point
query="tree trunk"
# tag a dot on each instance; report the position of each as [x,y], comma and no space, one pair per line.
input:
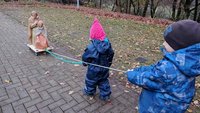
[113,8]
[100,4]
[131,3]
[88,2]
[174,9]
[198,19]
[138,7]
[145,8]
[117,3]
[95,3]
[153,7]
[187,8]
[179,10]
[128,5]
[195,10]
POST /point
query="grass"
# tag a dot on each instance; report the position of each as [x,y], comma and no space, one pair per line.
[70,29]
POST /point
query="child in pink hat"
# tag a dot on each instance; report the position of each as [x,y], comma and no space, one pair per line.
[99,52]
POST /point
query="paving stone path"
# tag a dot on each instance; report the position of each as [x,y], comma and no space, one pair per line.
[42,84]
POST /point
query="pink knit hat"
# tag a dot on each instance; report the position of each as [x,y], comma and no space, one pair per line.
[96,31]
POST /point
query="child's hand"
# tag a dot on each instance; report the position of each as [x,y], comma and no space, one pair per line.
[129,70]
[84,64]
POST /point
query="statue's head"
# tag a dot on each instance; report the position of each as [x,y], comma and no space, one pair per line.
[34,14]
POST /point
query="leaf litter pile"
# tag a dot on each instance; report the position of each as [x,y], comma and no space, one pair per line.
[134,43]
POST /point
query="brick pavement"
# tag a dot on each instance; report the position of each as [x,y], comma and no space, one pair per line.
[26,87]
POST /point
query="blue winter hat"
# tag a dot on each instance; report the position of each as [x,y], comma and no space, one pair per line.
[182,34]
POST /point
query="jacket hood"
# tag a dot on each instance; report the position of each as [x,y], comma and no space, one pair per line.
[187,60]
[102,46]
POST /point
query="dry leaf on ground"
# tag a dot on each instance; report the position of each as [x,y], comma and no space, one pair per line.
[47,72]
[113,85]
[76,65]
[62,83]
[189,110]
[126,91]
[71,92]
[7,81]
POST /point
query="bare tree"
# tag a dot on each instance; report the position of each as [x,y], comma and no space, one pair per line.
[187,5]
[174,4]
[128,6]
[195,10]
[198,19]
[117,6]
[145,8]
[153,7]
[136,7]
[100,4]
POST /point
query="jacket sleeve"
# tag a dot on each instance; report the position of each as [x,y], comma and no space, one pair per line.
[90,54]
[151,77]
[110,57]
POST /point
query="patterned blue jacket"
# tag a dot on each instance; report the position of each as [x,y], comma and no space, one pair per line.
[169,85]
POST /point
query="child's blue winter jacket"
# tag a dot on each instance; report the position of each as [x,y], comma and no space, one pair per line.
[169,85]
[101,53]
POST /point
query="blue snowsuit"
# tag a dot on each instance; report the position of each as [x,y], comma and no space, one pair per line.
[101,53]
[169,85]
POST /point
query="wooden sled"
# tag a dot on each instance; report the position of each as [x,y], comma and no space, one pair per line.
[37,51]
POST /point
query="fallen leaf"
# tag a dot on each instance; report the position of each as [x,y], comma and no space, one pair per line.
[123,67]
[47,72]
[111,73]
[79,55]
[128,85]
[71,92]
[189,110]
[76,65]
[120,73]
[62,83]
[133,87]
[32,90]
[138,91]
[197,85]
[121,78]
[71,47]
[126,91]
[91,98]
[108,102]
[7,81]
[113,85]
[196,102]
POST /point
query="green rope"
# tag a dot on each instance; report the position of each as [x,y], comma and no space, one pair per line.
[76,61]
[62,59]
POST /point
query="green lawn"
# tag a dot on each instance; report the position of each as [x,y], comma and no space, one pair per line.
[70,29]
